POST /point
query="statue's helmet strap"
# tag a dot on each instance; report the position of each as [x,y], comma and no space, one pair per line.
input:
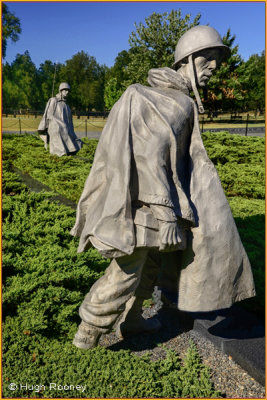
[194,87]
[198,38]
[64,85]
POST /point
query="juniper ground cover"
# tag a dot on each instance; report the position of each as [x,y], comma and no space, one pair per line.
[45,280]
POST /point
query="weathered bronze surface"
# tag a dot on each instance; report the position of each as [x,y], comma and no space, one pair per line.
[56,126]
[154,203]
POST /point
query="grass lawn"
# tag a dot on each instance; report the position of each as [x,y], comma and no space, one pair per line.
[31,123]
[223,126]
[97,124]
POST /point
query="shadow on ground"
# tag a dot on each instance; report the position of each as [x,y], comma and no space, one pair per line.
[174,323]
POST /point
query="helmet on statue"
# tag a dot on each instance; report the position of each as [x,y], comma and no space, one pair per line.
[63,86]
[196,39]
[193,42]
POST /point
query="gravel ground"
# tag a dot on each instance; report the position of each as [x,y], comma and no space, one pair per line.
[228,377]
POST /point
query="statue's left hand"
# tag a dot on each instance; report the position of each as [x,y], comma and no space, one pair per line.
[170,236]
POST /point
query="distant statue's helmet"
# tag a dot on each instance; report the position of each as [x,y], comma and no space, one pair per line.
[63,86]
[198,38]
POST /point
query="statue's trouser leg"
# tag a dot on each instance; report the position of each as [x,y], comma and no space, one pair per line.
[131,320]
[149,275]
[107,298]
[169,274]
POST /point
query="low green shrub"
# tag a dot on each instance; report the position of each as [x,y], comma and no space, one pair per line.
[223,147]
[240,162]
[40,255]
[249,217]
[88,149]
[11,182]
[44,282]
[66,175]
[39,361]
[243,180]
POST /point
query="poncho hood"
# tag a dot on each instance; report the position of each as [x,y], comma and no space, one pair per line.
[167,78]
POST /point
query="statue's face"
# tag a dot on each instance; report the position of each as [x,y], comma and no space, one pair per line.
[205,63]
[64,94]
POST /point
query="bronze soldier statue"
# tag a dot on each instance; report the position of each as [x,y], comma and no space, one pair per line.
[153,191]
[56,126]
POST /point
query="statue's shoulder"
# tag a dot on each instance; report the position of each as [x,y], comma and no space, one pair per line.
[137,89]
[180,97]
[183,101]
[51,106]
[133,88]
[52,100]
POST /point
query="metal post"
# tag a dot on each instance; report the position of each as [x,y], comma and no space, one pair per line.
[19,125]
[246,133]
[54,78]
[86,127]
[202,129]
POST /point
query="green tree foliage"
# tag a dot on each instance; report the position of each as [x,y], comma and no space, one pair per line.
[21,84]
[235,85]
[238,85]
[225,88]
[252,73]
[87,79]
[10,28]
[115,77]
[25,86]
[153,43]
[11,92]
[112,93]
[119,69]
[49,79]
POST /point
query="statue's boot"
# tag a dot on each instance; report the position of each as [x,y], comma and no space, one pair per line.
[86,337]
[132,322]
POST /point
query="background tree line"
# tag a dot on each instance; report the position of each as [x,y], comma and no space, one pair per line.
[25,86]
[236,85]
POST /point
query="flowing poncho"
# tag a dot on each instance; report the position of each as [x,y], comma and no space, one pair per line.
[214,270]
[57,120]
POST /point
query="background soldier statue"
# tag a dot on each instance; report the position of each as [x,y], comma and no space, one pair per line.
[153,191]
[58,126]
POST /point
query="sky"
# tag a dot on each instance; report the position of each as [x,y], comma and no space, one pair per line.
[57,30]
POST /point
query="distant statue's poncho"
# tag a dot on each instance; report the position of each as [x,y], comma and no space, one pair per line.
[57,122]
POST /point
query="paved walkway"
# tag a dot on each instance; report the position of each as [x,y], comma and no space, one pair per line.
[257,131]
[253,131]
[90,134]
